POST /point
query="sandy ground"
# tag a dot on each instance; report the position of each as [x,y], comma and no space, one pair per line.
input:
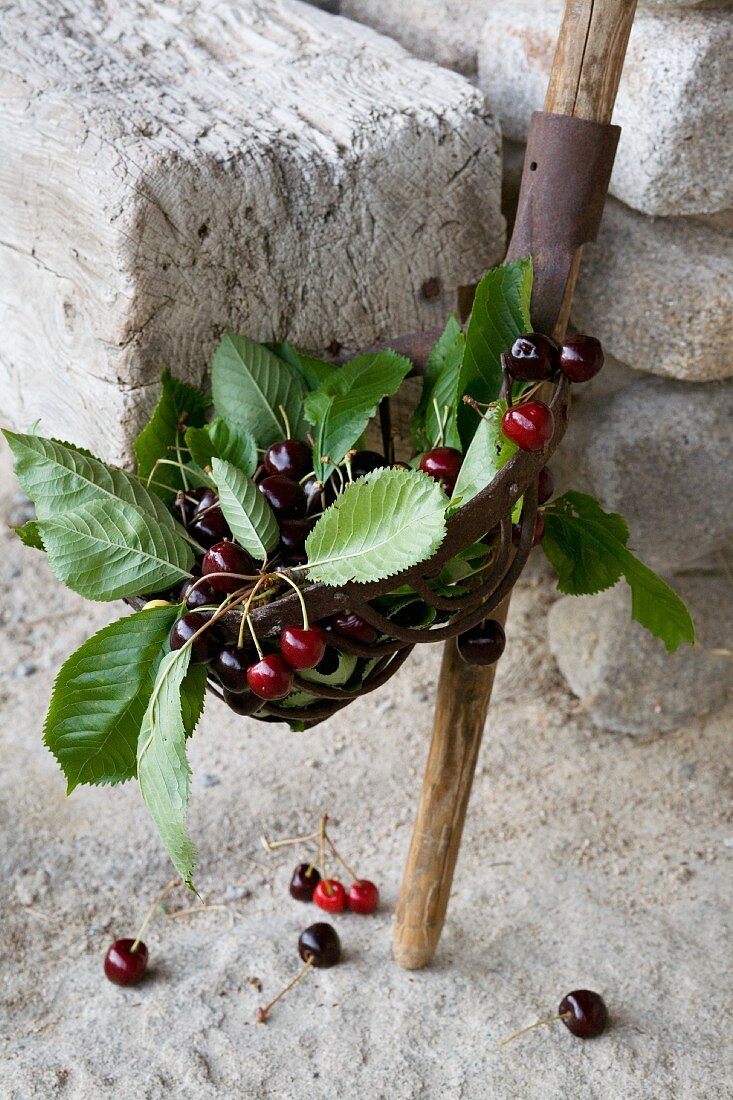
[589,859]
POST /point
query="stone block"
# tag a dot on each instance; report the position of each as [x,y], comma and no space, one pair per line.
[444,31]
[172,170]
[674,104]
[625,678]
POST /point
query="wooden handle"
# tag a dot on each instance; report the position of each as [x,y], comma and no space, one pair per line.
[584,81]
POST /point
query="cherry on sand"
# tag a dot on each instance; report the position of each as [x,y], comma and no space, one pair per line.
[319,946]
[271,677]
[330,895]
[530,425]
[483,644]
[581,358]
[123,965]
[184,629]
[290,457]
[532,357]
[304,881]
[363,896]
[226,564]
[442,464]
[583,1012]
[286,498]
[350,625]
[303,647]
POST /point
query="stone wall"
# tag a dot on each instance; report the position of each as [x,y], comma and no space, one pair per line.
[651,437]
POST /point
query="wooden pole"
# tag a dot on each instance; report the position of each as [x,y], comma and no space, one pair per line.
[585,74]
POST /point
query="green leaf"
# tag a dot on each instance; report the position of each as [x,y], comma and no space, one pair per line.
[100,696]
[250,384]
[587,547]
[313,371]
[500,313]
[343,406]
[221,440]
[179,407]
[59,477]
[193,695]
[105,550]
[29,534]
[488,453]
[162,767]
[245,509]
[441,389]
[381,524]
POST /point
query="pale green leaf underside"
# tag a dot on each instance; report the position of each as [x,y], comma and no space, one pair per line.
[249,384]
[105,550]
[382,524]
[245,509]
[162,767]
[100,696]
[488,453]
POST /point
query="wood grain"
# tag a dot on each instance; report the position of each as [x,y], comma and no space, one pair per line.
[584,81]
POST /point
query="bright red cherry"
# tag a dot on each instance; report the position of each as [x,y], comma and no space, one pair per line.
[530,425]
[350,625]
[290,457]
[286,498]
[363,896]
[482,644]
[584,1013]
[581,357]
[442,464]
[227,558]
[545,485]
[304,881]
[303,648]
[122,965]
[532,357]
[330,895]
[184,628]
[270,678]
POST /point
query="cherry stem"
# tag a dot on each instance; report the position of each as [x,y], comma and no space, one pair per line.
[321,857]
[263,1013]
[540,1023]
[442,420]
[179,456]
[341,859]
[273,845]
[298,593]
[246,619]
[286,422]
[151,912]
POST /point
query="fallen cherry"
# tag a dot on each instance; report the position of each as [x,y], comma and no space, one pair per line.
[126,961]
[318,945]
[583,1012]
[330,895]
[304,881]
[303,647]
[363,896]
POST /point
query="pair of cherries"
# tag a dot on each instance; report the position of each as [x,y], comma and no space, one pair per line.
[330,894]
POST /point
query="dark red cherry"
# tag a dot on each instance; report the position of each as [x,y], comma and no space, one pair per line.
[293,533]
[185,628]
[270,678]
[304,881]
[208,525]
[363,896]
[319,944]
[442,464]
[350,625]
[186,503]
[588,1015]
[227,558]
[539,531]
[532,357]
[581,358]
[122,965]
[231,663]
[289,457]
[242,702]
[483,644]
[545,485]
[286,498]
[365,462]
[530,425]
[202,595]
[303,648]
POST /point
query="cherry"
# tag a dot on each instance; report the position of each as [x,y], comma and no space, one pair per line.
[539,531]
[293,533]
[208,525]
[184,628]
[242,702]
[581,357]
[584,1013]
[530,425]
[545,485]
[286,498]
[330,895]
[122,965]
[319,496]
[532,357]
[350,625]
[230,665]
[271,677]
[304,881]
[363,896]
[483,644]
[186,503]
[202,595]
[442,464]
[289,457]
[227,557]
[320,945]
[329,662]
[301,647]
[365,462]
